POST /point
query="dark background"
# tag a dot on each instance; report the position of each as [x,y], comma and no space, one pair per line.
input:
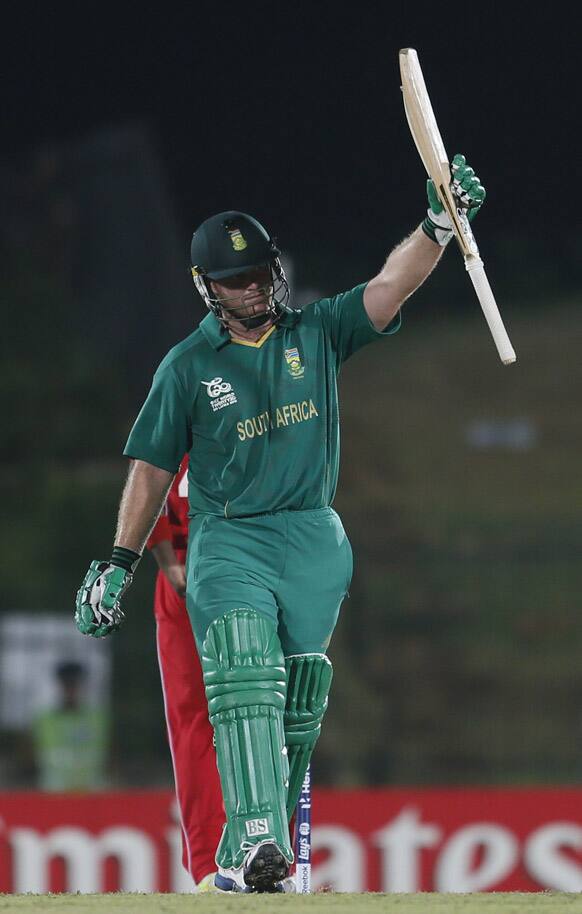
[294,112]
[121,133]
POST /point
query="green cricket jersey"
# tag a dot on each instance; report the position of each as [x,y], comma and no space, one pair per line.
[260,420]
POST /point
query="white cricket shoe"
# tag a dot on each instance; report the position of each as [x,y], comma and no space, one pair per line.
[229,880]
[263,870]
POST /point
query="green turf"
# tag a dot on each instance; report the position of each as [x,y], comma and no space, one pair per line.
[493,903]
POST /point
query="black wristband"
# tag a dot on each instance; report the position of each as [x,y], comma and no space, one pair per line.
[125,558]
[428,228]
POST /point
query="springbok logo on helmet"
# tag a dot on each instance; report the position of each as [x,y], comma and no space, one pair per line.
[220,392]
[238,239]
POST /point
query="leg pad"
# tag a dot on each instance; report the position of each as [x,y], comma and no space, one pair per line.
[245,682]
[308,683]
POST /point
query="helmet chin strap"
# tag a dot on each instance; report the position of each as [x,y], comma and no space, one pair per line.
[252,323]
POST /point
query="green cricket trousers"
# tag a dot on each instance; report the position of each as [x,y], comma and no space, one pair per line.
[294,567]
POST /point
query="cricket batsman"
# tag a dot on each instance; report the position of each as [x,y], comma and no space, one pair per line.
[251,396]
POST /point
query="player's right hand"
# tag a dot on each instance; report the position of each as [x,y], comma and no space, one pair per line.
[97,611]
[467,190]
[466,187]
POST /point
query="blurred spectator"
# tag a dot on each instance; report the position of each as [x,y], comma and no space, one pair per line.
[71,741]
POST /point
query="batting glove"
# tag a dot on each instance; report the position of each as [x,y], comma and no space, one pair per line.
[97,611]
[467,190]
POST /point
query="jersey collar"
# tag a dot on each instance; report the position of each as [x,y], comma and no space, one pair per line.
[218,336]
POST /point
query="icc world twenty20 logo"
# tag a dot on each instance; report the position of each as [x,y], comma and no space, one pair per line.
[220,392]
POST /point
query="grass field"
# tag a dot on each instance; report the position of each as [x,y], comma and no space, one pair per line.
[492,903]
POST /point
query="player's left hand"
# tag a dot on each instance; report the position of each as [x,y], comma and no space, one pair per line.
[97,611]
[467,190]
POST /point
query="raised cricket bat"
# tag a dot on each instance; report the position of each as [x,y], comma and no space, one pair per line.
[427,138]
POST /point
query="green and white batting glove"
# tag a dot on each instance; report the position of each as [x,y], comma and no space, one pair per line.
[97,609]
[467,190]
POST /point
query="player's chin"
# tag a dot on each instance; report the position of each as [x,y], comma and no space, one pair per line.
[252,316]
[260,310]
[257,305]
[254,321]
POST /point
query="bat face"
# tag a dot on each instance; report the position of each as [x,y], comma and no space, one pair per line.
[428,140]
[430,146]
[420,115]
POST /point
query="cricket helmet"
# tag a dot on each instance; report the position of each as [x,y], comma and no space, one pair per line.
[231,243]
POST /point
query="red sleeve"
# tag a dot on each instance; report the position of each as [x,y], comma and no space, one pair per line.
[172,524]
[162,531]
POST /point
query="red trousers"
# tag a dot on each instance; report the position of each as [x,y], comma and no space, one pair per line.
[189,732]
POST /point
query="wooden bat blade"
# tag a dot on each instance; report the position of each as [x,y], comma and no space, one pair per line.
[420,116]
[430,146]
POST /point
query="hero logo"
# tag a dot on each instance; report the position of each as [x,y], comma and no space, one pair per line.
[220,392]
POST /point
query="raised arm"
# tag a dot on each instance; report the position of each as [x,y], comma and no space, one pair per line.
[406,268]
[413,259]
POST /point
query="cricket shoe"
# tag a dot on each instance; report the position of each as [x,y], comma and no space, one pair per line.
[265,867]
[228,880]
[263,870]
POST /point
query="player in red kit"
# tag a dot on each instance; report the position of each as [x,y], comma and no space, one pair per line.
[189,731]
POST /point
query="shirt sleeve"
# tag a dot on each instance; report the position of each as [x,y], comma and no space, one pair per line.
[348,324]
[162,530]
[162,432]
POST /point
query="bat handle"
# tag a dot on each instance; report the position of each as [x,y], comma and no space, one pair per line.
[475,269]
